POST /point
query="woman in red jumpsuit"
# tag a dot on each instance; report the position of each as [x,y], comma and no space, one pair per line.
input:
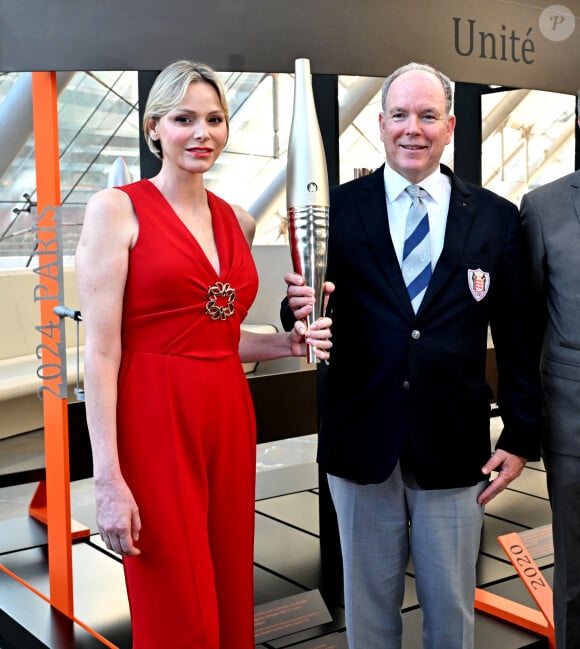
[165,278]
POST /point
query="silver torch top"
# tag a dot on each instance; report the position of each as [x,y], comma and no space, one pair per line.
[307,197]
[307,177]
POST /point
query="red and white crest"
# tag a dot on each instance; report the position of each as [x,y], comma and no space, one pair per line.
[478,281]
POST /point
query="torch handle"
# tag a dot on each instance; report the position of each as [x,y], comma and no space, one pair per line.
[308,230]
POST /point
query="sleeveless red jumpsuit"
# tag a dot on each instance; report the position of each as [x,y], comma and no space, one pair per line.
[186,430]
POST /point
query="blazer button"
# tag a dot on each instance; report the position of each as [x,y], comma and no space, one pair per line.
[406,385]
[415,334]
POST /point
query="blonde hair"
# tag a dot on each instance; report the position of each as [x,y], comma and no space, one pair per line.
[168,90]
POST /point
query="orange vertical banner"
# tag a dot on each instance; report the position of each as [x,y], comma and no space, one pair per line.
[51,352]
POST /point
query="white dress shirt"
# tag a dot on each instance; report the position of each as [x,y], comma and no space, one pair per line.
[437,195]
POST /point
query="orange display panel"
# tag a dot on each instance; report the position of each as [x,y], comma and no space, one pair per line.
[522,550]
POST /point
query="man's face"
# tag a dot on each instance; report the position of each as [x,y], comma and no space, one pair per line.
[414,126]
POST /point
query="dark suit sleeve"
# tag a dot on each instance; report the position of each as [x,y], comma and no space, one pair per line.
[535,259]
[517,354]
[286,316]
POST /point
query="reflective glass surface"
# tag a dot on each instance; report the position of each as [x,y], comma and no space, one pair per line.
[528,140]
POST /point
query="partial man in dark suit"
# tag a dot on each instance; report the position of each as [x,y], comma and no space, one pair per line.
[405,413]
[551,220]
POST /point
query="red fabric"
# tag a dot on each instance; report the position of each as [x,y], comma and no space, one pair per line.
[187,433]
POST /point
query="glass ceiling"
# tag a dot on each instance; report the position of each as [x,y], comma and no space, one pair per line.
[528,140]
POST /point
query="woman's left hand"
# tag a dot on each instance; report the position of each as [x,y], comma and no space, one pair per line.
[318,336]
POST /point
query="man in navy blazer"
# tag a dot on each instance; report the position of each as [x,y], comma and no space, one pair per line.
[551,222]
[405,412]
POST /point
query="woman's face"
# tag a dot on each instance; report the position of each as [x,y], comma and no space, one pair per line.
[194,133]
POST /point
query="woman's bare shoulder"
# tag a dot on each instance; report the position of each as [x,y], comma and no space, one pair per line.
[111,212]
[246,221]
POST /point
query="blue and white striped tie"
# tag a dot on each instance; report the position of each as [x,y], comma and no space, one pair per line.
[416,264]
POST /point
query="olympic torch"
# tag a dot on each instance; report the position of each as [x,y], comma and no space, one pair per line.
[307,198]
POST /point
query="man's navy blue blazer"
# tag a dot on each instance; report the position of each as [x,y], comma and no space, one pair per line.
[399,380]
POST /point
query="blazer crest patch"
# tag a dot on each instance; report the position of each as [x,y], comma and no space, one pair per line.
[478,281]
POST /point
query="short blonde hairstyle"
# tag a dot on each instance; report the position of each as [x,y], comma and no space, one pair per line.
[168,90]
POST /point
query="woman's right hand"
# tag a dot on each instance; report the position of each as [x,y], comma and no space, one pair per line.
[118,517]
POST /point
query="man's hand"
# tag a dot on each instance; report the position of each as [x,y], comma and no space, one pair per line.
[300,297]
[509,468]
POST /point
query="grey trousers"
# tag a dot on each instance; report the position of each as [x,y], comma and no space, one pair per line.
[380,525]
[563,473]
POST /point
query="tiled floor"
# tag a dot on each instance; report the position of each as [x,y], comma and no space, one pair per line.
[26,451]
[19,453]
[289,558]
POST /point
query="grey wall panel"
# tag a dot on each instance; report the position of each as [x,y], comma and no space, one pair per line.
[532,44]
